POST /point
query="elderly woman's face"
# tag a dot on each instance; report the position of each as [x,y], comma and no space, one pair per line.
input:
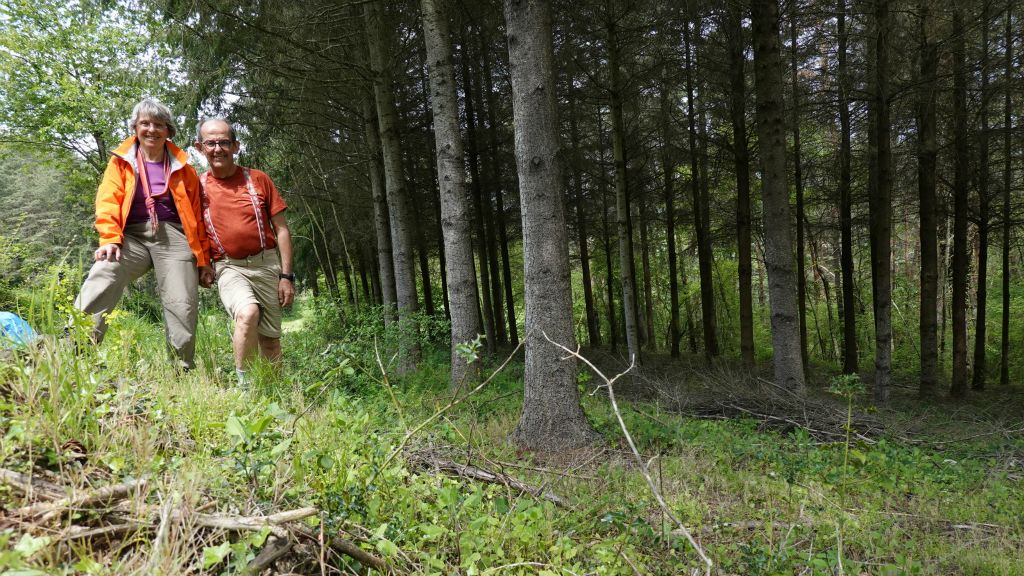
[152,132]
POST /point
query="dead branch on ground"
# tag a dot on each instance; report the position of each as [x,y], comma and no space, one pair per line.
[608,385]
[432,461]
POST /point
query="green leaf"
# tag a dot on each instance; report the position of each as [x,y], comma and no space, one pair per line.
[387,547]
[326,462]
[432,531]
[213,555]
[29,545]
[281,447]
[235,428]
[260,424]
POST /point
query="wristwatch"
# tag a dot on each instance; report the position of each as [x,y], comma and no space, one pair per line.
[289,276]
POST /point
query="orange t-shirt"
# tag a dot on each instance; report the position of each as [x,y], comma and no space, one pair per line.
[233,216]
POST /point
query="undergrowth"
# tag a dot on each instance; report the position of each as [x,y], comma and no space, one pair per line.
[323,434]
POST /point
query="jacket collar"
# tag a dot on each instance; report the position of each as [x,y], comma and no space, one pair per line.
[126,151]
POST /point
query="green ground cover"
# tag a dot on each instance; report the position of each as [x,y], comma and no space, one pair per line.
[332,433]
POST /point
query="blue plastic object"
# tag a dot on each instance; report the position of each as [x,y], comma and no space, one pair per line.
[15,331]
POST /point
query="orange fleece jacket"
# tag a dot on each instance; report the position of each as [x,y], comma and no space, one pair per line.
[114,198]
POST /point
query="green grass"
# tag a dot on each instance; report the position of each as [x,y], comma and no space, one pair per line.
[321,435]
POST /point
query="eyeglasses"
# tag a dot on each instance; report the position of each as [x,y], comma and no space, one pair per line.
[212,144]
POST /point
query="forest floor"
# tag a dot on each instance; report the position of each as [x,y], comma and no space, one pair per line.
[113,463]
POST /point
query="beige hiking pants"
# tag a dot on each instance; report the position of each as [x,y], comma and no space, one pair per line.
[167,252]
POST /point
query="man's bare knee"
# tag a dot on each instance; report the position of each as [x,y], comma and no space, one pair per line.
[248,315]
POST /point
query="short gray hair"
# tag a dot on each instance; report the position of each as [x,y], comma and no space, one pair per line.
[204,121]
[152,108]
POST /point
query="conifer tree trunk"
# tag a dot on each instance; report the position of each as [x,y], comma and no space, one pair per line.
[958,385]
[510,302]
[1004,360]
[980,328]
[473,160]
[704,255]
[487,186]
[451,176]
[741,155]
[399,204]
[880,206]
[927,153]
[381,220]
[593,330]
[667,171]
[552,418]
[609,277]
[691,329]
[422,250]
[441,256]
[798,185]
[779,261]
[627,273]
[650,341]
[499,194]
[850,359]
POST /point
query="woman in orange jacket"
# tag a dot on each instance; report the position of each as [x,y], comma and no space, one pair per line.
[148,215]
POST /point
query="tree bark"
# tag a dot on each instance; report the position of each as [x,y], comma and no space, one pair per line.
[499,194]
[399,204]
[422,250]
[488,179]
[958,385]
[771,130]
[850,359]
[1004,360]
[627,273]
[451,176]
[381,219]
[552,418]
[927,153]
[704,255]
[880,206]
[650,341]
[984,212]
[798,185]
[741,155]
[668,176]
[473,160]
[593,330]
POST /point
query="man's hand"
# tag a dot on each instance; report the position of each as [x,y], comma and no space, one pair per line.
[108,252]
[285,292]
[207,276]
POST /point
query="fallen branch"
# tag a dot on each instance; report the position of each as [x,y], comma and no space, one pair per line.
[454,402]
[30,484]
[542,470]
[435,462]
[608,382]
[83,532]
[49,510]
[349,548]
[252,523]
[744,525]
[272,552]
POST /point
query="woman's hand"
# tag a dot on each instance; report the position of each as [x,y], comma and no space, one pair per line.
[109,252]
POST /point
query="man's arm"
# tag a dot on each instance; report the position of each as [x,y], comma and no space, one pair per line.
[285,288]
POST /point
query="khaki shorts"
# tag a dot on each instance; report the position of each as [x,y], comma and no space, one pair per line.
[252,280]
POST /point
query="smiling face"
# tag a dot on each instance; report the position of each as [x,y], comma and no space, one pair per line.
[152,134]
[216,143]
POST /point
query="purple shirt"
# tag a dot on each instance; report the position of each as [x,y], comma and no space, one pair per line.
[166,211]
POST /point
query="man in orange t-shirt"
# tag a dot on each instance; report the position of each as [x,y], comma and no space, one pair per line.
[251,245]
